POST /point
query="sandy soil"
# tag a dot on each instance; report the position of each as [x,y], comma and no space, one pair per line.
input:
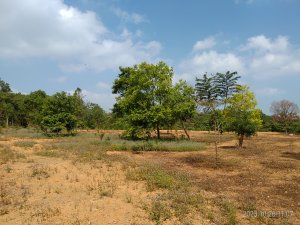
[53,190]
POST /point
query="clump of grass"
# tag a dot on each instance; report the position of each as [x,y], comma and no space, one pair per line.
[7,154]
[25,144]
[158,177]
[159,212]
[106,188]
[170,146]
[44,213]
[39,171]
[228,210]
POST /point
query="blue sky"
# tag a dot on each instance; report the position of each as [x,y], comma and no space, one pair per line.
[58,45]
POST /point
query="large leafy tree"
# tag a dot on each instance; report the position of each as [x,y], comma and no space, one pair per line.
[144,97]
[285,113]
[59,113]
[242,115]
[148,100]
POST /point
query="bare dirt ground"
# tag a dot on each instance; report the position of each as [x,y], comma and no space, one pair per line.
[261,182]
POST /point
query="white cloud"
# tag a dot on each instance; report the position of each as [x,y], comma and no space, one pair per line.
[205,44]
[105,100]
[128,17]
[77,40]
[210,62]
[267,58]
[260,57]
[262,43]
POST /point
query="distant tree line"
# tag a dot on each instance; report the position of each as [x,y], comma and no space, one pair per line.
[55,114]
[148,101]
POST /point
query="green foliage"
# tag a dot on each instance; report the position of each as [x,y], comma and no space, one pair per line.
[58,122]
[242,116]
[4,87]
[148,100]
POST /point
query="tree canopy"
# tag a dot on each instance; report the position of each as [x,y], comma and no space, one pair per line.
[148,100]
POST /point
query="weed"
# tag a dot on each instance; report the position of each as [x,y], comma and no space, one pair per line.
[39,172]
[159,212]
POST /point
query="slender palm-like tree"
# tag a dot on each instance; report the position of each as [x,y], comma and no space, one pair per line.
[226,85]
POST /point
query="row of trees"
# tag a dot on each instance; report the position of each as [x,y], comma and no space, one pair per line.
[148,101]
[52,114]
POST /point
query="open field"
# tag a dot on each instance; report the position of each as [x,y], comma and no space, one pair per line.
[101,179]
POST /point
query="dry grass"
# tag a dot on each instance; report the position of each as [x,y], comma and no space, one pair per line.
[79,180]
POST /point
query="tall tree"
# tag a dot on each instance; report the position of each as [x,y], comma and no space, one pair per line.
[183,104]
[226,84]
[285,113]
[242,115]
[206,92]
[144,97]
[6,105]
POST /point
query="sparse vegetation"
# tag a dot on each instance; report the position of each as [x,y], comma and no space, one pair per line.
[166,186]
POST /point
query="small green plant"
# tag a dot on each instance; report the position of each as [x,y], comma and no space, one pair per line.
[159,211]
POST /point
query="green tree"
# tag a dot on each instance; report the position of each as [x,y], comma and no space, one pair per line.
[144,97]
[242,115]
[95,116]
[59,113]
[154,102]
[6,104]
[226,85]
[35,103]
[184,104]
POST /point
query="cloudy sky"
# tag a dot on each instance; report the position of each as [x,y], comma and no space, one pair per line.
[58,45]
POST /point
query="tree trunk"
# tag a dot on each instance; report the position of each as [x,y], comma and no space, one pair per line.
[241,140]
[7,122]
[185,131]
[158,132]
